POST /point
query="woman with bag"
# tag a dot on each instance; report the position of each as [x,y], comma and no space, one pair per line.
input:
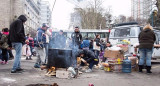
[97,46]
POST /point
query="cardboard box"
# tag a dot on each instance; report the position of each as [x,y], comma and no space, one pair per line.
[134,60]
[135,68]
[113,54]
[116,67]
[115,60]
[62,73]
[124,48]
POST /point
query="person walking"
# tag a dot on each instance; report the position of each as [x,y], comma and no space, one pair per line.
[146,42]
[76,38]
[16,40]
[40,48]
[4,45]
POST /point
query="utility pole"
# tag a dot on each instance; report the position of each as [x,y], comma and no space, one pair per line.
[152,15]
[158,7]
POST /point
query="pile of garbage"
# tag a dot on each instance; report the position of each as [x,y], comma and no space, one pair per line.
[117,61]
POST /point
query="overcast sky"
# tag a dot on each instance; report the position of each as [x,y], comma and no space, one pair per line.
[62,10]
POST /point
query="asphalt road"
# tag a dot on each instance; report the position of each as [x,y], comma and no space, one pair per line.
[97,77]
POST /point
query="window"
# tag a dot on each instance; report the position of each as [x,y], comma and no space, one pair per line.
[84,35]
[132,32]
[91,35]
[125,32]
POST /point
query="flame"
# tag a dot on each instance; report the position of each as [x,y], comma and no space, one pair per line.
[51,71]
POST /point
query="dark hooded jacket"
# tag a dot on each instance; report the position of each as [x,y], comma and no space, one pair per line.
[16,33]
[97,40]
[146,38]
[88,55]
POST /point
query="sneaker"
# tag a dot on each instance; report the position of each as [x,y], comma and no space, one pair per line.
[36,66]
[13,71]
[10,58]
[2,62]
[5,62]
[88,70]
[27,58]
[19,69]
[30,58]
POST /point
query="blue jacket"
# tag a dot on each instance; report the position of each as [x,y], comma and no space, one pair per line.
[41,38]
[85,44]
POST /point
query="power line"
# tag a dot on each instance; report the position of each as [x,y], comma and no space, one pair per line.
[53,5]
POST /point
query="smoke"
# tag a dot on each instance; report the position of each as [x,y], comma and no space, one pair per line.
[58,41]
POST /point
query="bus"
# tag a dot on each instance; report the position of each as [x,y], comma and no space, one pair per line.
[86,33]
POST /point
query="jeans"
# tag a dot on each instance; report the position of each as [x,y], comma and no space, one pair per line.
[5,55]
[18,48]
[31,49]
[91,63]
[74,58]
[40,55]
[145,56]
[46,52]
[97,53]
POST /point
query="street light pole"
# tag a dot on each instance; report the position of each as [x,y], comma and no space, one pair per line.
[152,15]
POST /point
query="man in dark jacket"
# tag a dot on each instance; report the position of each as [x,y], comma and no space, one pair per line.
[76,41]
[146,41]
[60,40]
[17,39]
[76,37]
[88,57]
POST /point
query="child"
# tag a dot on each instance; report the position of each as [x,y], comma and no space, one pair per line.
[4,45]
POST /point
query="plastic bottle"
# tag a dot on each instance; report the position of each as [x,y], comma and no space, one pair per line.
[126,66]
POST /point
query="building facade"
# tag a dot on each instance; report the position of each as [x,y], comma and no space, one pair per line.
[141,9]
[45,12]
[33,9]
[75,19]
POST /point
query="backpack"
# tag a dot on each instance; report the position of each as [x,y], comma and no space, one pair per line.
[4,42]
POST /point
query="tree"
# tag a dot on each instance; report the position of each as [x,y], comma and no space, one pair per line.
[122,18]
[93,16]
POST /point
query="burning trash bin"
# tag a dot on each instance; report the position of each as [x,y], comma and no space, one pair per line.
[59,58]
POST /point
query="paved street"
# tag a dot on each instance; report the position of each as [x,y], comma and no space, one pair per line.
[98,77]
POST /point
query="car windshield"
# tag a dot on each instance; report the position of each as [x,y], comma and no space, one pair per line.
[124,32]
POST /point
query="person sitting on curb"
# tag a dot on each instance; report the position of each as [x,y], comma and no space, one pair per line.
[87,57]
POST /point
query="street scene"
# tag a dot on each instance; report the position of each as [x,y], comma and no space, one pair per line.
[79,42]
